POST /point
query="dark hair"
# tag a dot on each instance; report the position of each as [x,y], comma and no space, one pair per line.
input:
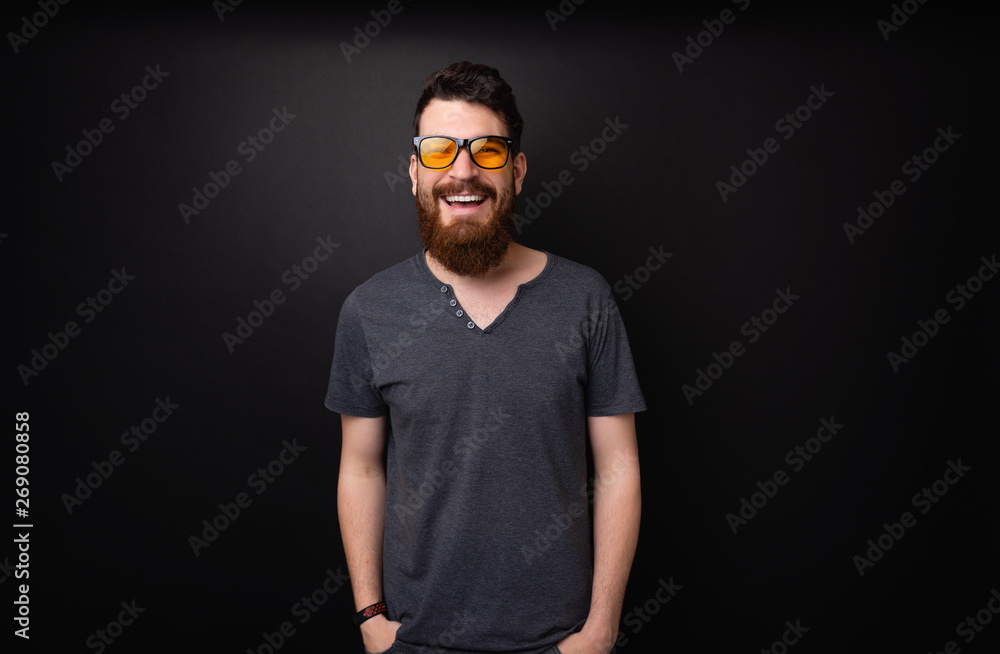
[472,83]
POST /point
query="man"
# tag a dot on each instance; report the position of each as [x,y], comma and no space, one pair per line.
[480,369]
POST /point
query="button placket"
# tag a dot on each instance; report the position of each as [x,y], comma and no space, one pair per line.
[453,302]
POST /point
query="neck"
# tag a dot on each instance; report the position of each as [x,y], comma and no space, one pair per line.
[515,253]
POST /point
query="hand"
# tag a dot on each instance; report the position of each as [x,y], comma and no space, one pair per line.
[582,643]
[379,633]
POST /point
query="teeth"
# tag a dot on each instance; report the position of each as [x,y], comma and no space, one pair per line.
[464,198]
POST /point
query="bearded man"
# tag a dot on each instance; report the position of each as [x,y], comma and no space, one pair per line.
[471,380]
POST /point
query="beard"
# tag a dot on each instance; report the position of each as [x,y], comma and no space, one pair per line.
[468,246]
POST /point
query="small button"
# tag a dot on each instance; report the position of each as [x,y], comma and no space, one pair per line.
[444,289]
[471,325]
[453,302]
[459,313]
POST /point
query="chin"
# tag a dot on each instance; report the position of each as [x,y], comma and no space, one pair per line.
[468,241]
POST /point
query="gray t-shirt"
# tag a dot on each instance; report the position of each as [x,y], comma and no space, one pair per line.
[487,544]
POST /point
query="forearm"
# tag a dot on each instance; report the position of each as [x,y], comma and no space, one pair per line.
[617,508]
[361,509]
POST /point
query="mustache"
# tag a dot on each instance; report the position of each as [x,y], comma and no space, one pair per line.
[472,187]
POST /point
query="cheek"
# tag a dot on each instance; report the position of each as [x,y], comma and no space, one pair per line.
[426,182]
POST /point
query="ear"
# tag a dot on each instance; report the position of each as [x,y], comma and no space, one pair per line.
[413,172]
[520,170]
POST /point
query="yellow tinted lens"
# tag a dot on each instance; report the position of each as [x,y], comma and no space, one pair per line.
[489,152]
[437,152]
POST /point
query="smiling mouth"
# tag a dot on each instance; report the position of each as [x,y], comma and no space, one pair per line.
[464,200]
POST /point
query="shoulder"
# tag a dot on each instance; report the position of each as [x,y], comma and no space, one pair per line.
[390,282]
[578,276]
[388,288]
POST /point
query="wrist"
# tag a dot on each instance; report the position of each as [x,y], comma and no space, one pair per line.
[369,613]
[373,624]
[599,633]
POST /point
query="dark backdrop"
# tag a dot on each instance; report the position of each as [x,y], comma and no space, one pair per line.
[113,516]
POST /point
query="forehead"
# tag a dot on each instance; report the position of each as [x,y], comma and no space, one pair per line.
[460,119]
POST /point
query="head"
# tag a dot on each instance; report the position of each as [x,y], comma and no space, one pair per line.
[466,212]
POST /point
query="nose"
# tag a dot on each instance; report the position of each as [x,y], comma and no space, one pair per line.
[463,167]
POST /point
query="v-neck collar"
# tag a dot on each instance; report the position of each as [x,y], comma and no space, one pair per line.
[454,307]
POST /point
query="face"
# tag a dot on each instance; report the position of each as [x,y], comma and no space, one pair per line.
[466,212]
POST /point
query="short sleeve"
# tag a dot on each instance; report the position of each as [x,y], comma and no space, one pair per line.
[351,390]
[612,383]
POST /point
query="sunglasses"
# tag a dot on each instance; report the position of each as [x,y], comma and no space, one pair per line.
[489,152]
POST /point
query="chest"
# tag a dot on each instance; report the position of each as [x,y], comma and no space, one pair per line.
[438,370]
[483,307]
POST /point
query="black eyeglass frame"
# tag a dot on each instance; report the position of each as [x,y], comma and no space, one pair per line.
[512,146]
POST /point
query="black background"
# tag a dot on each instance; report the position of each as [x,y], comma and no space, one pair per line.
[334,172]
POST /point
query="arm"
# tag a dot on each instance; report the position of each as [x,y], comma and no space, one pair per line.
[361,509]
[617,506]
